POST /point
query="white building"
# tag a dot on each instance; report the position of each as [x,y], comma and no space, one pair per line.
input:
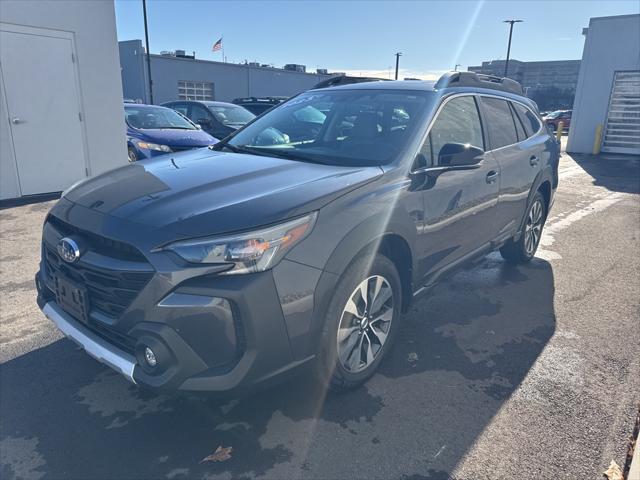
[608,91]
[61,113]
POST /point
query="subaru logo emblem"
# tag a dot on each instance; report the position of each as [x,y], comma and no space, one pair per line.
[68,250]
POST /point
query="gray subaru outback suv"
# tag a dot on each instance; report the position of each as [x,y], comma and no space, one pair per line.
[300,240]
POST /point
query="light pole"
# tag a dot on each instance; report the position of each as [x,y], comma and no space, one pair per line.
[398,55]
[511,22]
[146,39]
[455,69]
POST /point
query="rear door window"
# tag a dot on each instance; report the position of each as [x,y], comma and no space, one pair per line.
[500,124]
[529,119]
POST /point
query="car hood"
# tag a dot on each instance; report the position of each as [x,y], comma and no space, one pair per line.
[202,192]
[174,137]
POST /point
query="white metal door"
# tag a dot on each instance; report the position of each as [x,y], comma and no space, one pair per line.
[44,110]
[622,131]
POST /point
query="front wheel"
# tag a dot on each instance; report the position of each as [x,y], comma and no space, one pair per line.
[361,322]
[131,153]
[523,250]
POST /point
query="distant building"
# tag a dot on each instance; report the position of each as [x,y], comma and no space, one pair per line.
[608,91]
[178,76]
[562,74]
[294,67]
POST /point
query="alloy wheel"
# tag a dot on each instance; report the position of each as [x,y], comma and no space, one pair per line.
[533,227]
[365,323]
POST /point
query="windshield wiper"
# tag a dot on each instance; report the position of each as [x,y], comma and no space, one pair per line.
[234,148]
[288,154]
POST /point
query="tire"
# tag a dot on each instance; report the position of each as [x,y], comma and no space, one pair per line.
[367,342]
[131,153]
[523,250]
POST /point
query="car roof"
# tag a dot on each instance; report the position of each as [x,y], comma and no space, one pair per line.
[428,86]
[208,103]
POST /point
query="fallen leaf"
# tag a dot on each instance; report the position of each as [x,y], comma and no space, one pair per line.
[220,455]
[613,472]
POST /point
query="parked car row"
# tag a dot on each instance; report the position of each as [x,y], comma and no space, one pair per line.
[180,125]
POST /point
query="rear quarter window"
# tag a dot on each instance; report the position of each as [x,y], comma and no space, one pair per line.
[500,122]
[529,119]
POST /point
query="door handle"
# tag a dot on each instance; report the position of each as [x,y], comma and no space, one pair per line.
[492,176]
[533,161]
[16,120]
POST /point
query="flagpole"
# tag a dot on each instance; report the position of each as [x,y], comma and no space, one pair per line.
[224,59]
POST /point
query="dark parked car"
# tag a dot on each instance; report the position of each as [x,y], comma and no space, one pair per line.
[154,130]
[219,119]
[259,105]
[554,118]
[297,244]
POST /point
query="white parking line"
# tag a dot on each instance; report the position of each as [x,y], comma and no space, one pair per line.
[563,220]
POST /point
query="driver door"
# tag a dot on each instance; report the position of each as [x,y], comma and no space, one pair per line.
[459,204]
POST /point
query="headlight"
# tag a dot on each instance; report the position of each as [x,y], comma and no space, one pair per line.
[248,252]
[153,146]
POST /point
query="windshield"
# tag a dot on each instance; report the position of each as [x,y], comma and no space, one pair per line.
[350,127]
[150,118]
[231,115]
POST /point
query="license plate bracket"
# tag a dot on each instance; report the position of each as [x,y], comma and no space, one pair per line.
[72,298]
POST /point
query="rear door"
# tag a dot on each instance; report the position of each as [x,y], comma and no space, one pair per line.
[519,159]
[459,217]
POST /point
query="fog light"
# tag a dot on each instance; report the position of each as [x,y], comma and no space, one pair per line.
[150,357]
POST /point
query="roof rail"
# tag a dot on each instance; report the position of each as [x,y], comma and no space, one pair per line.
[472,79]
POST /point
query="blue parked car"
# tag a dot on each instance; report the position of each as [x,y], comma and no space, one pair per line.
[153,131]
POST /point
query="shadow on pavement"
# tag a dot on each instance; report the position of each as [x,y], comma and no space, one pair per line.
[460,354]
[616,172]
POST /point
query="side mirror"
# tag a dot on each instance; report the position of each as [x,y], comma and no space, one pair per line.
[459,155]
[203,122]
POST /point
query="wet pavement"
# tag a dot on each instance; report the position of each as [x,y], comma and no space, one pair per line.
[530,372]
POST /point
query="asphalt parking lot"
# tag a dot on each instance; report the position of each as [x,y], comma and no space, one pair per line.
[529,373]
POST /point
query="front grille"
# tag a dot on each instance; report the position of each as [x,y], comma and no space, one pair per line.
[98,243]
[110,291]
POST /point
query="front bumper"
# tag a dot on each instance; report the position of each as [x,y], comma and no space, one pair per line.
[95,346]
[210,332]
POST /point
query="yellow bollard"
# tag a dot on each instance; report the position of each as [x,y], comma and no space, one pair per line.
[559,131]
[597,140]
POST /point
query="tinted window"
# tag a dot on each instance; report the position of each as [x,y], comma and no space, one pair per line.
[519,128]
[502,129]
[148,117]
[348,127]
[457,122]
[179,107]
[529,119]
[198,112]
[234,116]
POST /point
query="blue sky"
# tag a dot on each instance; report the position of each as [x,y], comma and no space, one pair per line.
[361,37]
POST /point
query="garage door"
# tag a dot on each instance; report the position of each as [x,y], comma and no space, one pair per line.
[622,130]
[38,72]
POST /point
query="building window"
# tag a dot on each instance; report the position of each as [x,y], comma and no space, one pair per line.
[188,90]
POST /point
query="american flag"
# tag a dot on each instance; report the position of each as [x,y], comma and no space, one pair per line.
[217,46]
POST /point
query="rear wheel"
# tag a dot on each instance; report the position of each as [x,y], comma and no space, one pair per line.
[523,250]
[361,322]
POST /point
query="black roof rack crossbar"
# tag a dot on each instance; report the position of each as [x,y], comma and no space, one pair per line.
[472,79]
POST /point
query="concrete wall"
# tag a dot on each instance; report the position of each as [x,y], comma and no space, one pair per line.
[230,80]
[611,43]
[94,28]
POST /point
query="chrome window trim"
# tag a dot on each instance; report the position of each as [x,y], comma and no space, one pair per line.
[447,99]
